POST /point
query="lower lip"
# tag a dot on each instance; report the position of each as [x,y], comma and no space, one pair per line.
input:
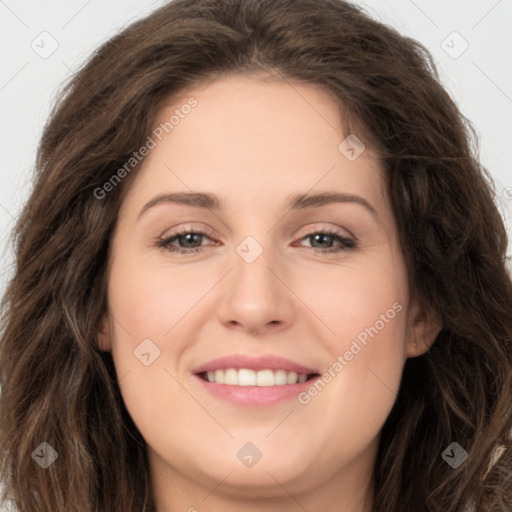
[255,395]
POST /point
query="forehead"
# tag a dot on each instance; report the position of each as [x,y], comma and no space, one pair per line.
[256,137]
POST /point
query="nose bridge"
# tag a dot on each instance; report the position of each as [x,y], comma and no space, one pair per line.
[256,297]
[252,280]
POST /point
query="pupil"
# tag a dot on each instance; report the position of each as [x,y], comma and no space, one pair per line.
[189,238]
[321,236]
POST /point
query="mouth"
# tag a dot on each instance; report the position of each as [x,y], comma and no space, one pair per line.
[261,378]
[246,380]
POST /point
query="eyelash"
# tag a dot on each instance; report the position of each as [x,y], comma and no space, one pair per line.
[165,243]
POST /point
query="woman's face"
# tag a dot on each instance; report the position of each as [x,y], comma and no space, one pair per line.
[320,283]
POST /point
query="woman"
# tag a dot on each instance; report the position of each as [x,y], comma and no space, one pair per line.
[176,335]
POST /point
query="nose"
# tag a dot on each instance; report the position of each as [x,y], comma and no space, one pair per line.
[256,297]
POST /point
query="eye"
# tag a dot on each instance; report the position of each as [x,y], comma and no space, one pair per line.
[189,241]
[328,237]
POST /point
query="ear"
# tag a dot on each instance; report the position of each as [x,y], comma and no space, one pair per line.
[104,336]
[423,329]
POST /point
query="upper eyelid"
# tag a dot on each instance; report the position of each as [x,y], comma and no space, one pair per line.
[338,230]
[210,232]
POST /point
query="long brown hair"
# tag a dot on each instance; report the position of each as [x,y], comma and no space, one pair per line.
[58,387]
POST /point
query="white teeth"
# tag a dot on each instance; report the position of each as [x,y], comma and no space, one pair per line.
[219,376]
[291,378]
[265,378]
[245,377]
[279,377]
[230,377]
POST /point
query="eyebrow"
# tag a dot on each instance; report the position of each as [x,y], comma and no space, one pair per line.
[295,202]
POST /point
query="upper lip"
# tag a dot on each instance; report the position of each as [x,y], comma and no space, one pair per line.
[238,361]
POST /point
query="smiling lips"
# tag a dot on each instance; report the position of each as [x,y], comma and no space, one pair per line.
[241,378]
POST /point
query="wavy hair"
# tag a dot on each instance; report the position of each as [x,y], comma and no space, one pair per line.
[58,387]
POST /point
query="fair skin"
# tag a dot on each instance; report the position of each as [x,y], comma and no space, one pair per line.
[253,143]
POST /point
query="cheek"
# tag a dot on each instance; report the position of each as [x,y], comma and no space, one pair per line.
[147,303]
[360,300]
[363,312]
[359,386]
[150,300]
